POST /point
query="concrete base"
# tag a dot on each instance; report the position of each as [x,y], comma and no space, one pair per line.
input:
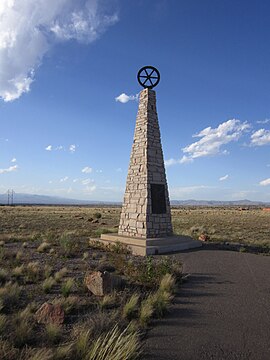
[153,246]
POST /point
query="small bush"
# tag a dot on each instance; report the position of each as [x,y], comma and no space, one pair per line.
[68,243]
[33,272]
[97,215]
[66,287]
[131,307]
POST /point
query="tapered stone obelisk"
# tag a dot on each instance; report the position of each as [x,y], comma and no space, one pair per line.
[146,209]
[145,221]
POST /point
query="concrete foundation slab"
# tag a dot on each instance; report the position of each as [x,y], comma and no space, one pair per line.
[152,246]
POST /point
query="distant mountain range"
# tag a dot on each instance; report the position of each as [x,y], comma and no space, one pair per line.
[53,200]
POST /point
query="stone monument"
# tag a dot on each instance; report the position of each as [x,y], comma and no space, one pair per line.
[145,222]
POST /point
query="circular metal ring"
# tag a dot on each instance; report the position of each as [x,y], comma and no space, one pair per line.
[148,77]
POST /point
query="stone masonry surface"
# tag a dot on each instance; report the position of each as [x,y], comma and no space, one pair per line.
[146,167]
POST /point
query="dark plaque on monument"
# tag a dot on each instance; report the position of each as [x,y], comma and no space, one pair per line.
[158,199]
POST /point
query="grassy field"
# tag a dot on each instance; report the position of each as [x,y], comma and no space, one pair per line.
[220,224]
[45,255]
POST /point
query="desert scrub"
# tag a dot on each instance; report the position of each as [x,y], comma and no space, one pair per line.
[23,326]
[32,272]
[67,287]
[116,344]
[130,309]
[68,243]
[68,304]
[9,295]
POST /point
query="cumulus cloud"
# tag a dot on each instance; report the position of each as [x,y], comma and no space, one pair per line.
[29,28]
[72,148]
[13,160]
[260,137]
[48,148]
[87,170]
[124,98]
[265,182]
[213,139]
[10,169]
[223,178]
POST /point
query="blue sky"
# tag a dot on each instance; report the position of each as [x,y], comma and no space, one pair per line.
[64,65]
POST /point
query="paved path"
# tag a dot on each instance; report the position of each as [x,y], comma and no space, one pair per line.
[222,312]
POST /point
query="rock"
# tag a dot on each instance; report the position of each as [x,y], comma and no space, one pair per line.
[50,314]
[106,267]
[203,237]
[101,283]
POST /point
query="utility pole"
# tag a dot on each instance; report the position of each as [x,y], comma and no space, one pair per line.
[10,197]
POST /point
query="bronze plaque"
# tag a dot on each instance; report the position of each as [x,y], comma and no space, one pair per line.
[158,199]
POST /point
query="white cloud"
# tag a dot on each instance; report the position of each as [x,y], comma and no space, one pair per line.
[59,147]
[90,189]
[75,180]
[29,28]
[49,148]
[265,182]
[87,181]
[171,162]
[212,140]
[123,98]
[260,137]
[223,178]
[72,148]
[64,179]
[10,169]
[266,121]
[87,170]
[13,160]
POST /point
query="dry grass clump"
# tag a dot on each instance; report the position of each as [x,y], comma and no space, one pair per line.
[68,243]
[83,338]
[60,274]
[53,333]
[68,303]
[116,344]
[130,309]
[8,351]
[23,328]
[43,247]
[48,284]
[33,271]
[67,287]
[146,312]
[18,271]
[3,276]
[108,301]
[9,295]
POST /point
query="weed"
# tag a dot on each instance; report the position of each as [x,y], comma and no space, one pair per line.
[131,307]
